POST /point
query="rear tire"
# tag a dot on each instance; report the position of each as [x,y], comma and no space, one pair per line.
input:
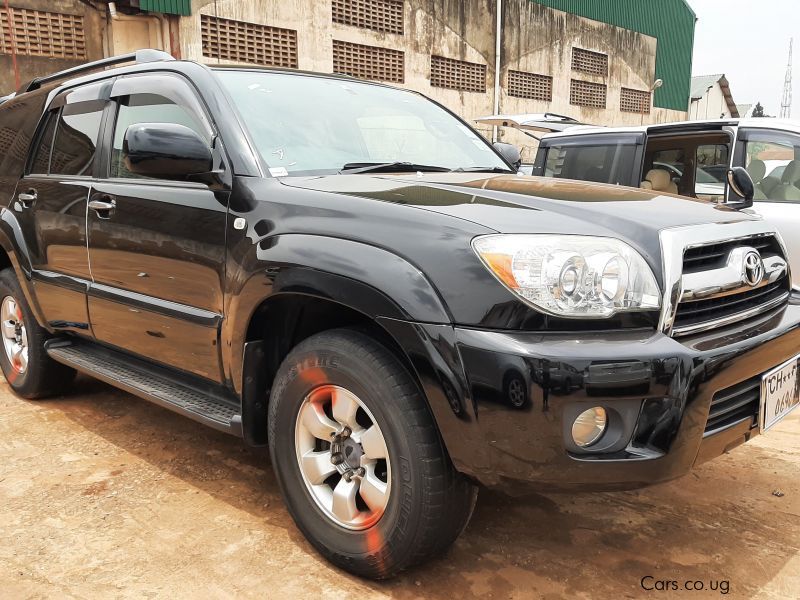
[30,372]
[422,503]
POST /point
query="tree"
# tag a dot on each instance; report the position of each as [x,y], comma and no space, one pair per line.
[758,111]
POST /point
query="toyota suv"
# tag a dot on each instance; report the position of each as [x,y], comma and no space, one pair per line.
[350,274]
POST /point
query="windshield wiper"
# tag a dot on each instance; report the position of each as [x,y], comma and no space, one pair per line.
[397,166]
[483,170]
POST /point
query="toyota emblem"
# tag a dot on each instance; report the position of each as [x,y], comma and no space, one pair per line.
[753,268]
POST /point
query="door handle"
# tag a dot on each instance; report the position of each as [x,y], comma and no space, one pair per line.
[26,199]
[103,205]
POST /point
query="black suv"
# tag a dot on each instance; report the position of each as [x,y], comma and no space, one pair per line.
[348,273]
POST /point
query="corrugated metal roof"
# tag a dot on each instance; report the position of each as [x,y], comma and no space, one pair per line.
[670,21]
[701,83]
[171,7]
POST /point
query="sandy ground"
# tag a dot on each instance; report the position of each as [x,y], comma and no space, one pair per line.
[103,495]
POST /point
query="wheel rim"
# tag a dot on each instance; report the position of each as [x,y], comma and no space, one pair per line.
[15,336]
[343,457]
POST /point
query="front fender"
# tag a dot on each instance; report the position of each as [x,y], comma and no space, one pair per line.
[362,277]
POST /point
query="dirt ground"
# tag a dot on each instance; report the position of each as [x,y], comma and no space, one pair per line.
[103,495]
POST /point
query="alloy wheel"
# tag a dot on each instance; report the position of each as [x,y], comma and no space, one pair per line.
[343,457]
[15,336]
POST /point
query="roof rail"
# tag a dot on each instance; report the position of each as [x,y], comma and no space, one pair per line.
[140,56]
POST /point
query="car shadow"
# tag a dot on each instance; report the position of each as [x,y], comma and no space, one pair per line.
[717,524]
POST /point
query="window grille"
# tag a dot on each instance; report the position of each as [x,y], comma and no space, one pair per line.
[585,93]
[636,101]
[589,62]
[457,74]
[40,33]
[530,85]
[378,15]
[368,62]
[244,42]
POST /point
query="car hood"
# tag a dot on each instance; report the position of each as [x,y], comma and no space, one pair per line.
[525,204]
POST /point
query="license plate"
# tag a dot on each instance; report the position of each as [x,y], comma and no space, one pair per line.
[779,393]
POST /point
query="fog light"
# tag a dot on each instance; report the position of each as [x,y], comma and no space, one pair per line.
[589,426]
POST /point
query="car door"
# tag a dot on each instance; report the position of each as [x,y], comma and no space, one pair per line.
[51,203]
[772,157]
[157,246]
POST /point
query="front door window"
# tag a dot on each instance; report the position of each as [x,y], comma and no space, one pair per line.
[773,160]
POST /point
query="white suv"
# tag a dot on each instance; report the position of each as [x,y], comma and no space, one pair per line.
[689,158]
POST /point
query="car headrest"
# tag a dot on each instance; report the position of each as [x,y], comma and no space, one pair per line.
[757,169]
[659,179]
[791,173]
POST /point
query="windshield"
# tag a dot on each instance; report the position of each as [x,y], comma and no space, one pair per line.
[312,125]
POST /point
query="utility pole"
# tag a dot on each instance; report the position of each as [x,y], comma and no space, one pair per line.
[786,102]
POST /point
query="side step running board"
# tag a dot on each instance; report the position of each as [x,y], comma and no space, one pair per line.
[197,400]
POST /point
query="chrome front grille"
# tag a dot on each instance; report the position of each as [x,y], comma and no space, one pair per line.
[695,314]
[726,281]
[714,256]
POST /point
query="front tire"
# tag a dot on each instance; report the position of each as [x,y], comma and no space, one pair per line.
[30,372]
[359,459]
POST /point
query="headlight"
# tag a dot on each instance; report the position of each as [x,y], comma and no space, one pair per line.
[571,275]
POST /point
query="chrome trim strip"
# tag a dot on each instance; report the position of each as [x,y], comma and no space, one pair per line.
[674,241]
[746,314]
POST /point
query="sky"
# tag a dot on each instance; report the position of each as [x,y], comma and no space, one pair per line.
[748,41]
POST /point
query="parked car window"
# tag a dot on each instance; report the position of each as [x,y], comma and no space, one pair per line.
[602,163]
[76,138]
[41,162]
[712,166]
[317,125]
[773,160]
[149,108]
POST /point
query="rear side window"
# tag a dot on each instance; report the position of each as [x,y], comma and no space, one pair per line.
[603,163]
[41,162]
[76,139]
[68,140]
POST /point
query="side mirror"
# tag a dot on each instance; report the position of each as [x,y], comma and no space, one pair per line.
[165,151]
[510,152]
[741,184]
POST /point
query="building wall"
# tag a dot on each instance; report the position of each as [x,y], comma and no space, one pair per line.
[672,22]
[542,43]
[711,106]
[448,28]
[31,65]
[536,39]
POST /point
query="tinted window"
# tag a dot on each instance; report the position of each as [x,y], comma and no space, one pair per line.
[19,119]
[148,108]
[608,163]
[41,162]
[76,138]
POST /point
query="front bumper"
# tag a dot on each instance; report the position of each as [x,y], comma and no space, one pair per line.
[662,389]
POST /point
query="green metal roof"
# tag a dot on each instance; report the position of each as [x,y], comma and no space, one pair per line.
[170,7]
[670,21]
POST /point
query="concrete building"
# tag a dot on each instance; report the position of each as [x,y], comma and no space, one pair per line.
[710,98]
[594,61]
[42,36]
